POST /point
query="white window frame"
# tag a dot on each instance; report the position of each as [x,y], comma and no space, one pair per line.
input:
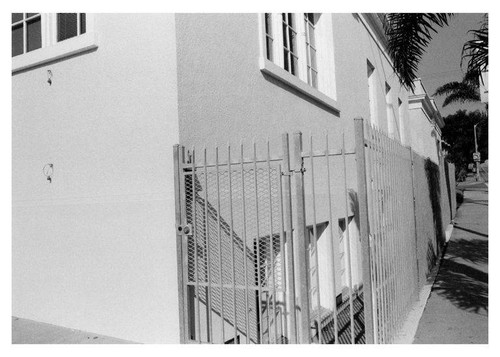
[51,49]
[24,24]
[326,95]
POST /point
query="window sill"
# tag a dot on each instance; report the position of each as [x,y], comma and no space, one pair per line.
[290,80]
[70,47]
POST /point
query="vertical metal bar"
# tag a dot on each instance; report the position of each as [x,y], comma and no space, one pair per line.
[231,237]
[271,242]
[207,244]
[289,254]
[245,246]
[194,237]
[378,202]
[380,234]
[390,230]
[364,228]
[392,187]
[219,240]
[314,244]
[417,277]
[384,239]
[332,240]
[372,219]
[301,248]
[348,241]
[283,295]
[259,288]
[390,277]
[179,242]
[185,258]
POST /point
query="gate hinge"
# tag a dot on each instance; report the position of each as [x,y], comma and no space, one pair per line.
[185,229]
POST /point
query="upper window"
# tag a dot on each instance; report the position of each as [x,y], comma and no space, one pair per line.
[26,32]
[312,68]
[269,37]
[70,25]
[39,38]
[302,45]
[31,31]
[289,43]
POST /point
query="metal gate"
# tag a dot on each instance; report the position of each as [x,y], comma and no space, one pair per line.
[294,245]
[256,262]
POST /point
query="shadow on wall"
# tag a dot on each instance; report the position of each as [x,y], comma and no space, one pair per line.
[463,285]
[433,181]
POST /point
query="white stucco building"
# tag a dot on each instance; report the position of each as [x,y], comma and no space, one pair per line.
[104,97]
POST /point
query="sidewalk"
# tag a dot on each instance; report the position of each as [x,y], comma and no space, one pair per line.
[457,309]
[26,331]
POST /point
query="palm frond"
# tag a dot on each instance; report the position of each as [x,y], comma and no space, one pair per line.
[475,51]
[408,34]
[465,91]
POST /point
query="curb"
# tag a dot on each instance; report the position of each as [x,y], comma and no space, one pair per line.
[410,326]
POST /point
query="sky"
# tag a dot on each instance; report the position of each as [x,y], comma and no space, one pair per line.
[441,62]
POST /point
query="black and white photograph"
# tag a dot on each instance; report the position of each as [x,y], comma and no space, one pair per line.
[247,177]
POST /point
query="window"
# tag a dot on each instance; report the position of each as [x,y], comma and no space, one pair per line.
[269,37]
[26,32]
[290,44]
[402,129]
[372,95]
[70,25]
[298,50]
[40,37]
[312,68]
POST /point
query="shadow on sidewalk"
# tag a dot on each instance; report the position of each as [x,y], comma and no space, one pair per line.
[465,286]
[471,231]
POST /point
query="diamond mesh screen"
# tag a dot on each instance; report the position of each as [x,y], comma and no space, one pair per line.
[235,252]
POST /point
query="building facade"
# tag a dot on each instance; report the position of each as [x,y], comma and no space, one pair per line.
[100,99]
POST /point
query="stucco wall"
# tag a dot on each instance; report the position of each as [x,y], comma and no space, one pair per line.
[95,249]
[225,97]
[422,140]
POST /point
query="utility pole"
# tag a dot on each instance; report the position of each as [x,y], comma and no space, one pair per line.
[477,160]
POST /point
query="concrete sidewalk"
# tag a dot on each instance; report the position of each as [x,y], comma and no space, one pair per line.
[26,331]
[457,309]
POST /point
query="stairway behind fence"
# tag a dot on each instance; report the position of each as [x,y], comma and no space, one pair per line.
[316,244]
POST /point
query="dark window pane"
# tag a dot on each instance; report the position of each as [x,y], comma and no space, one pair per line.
[66,26]
[17,16]
[30,14]
[34,34]
[83,23]
[293,65]
[285,42]
[314,79]
[268,24]
[312,53]
[17,40]
[269,48]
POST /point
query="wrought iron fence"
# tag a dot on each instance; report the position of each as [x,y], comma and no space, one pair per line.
[316,244]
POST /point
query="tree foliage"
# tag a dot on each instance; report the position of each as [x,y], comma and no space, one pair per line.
[465,91]
[408,34]
[458,132]
[475,51]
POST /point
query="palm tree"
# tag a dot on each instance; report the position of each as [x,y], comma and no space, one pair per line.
[465,91]
[408,34]
[475,51]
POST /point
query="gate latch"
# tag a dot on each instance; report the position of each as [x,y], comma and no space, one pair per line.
[185,229]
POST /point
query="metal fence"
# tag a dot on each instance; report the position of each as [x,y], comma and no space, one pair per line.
[315,244]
